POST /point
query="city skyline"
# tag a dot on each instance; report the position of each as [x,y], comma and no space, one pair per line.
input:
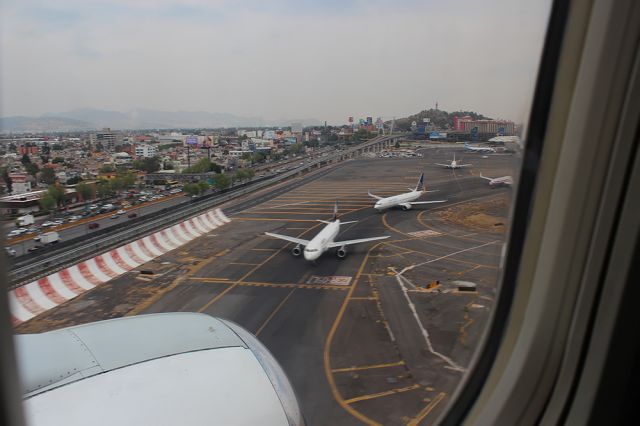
[281,61]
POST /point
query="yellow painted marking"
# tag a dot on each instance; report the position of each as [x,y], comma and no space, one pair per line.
[368,367]
[381,394]
[364,298]
[426,410]
[275,311]
[242,263]
[327,346]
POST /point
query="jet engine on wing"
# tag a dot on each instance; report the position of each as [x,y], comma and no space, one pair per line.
[405,206]
[342,252]
[297,250]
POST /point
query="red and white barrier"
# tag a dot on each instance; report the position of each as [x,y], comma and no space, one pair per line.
[39,296]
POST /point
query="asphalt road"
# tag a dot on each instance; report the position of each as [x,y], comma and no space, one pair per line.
[354,347]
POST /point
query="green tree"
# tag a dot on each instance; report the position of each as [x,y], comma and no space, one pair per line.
[32,169]
[85,191]
[191,189]
[147,165]
[57,160]
[107,168]
[203,165]
[48,176]
[222,181]
[397,145]
[57,193]
[168,165]
[74,180]
[7,180]
[25,159]
[203,186]
[128,179]
[47,202]
[103,189]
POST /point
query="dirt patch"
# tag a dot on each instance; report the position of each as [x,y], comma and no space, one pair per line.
[490,216]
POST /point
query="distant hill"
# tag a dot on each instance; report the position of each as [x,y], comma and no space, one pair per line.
[19,124]
[439,118]
[90,119]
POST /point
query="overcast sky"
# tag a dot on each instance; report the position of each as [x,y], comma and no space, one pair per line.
[275,59]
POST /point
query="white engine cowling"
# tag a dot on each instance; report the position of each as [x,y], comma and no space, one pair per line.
[405,206]
[341,252]
[297,250]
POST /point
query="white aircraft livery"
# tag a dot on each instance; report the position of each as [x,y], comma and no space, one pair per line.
[404,201]
[324,240]
[499,181]
[484,149]
[454,164]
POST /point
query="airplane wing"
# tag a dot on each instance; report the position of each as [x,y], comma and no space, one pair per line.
[288,238]
[465,165]
[443,165]
[374,196]
[349,242]
[484,177]
[427,202]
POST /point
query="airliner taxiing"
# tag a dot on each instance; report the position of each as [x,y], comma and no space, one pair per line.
[404,201]
[482,149]
[499,181]
[324,240]
[454,164]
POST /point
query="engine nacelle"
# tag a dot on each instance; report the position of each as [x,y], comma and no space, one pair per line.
[341,252]
[405,206]
[297,250]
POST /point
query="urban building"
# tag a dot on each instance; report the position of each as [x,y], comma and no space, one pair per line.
[146,150]
[108,139]
[20,183]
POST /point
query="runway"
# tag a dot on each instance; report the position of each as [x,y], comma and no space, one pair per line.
[381,337]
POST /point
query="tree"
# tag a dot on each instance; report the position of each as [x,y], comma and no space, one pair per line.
[103,189]
[57,160]
[57,193]
[203,186]
[168,165]
[397,145]
[32,169]
[107,168]
[147,164]
[47,202]
[128,179]
[85,191]
[222,181]
[203,165]
[74,180]
[99,147]
[25,159]
[191,189]
[48,176]
[7,180]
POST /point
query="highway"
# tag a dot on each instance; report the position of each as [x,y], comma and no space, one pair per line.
[368,339]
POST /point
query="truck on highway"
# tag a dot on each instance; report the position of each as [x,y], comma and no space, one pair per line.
[48,238]
[25,220]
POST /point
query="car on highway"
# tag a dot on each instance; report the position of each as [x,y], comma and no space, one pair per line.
[94,225]
[74,218]
[121,211]
[132,215]
[114,216]
[14,233]
[34,248]
[47,224]
[10,252]
[93,207]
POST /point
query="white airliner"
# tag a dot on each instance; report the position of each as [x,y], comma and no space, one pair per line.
[404,201]
[454,164]
[483,149]
[324,240]
[499,181]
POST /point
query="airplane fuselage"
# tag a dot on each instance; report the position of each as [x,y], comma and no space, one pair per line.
[397,200]
[320,243]
[505,180]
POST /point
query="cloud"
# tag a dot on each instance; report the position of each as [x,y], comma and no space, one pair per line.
[326,60]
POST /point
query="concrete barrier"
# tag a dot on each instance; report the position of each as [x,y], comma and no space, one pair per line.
[38,296]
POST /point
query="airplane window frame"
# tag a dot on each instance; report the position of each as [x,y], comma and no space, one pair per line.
[471,386]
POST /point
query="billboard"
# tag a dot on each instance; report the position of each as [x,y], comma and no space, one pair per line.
[474,133]
[191,141]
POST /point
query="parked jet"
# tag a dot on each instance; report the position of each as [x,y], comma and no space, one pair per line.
[324,240]
[504,180]
[482,149]
[404,201]
[454,164]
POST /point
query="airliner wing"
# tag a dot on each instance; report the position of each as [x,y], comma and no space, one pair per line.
[288,238]
[374,196]
[349,242]
[427,202]
[443,165]
[464,165]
